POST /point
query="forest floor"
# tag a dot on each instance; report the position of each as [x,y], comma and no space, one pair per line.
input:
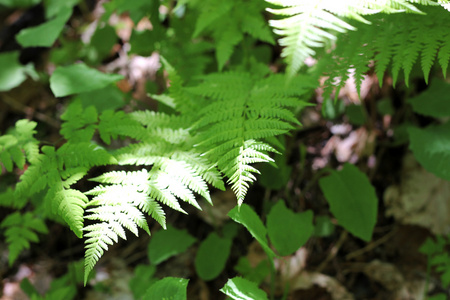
[335,266]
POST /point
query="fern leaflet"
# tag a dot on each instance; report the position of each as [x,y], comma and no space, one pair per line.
[59,170]
[20,231]
[19,145]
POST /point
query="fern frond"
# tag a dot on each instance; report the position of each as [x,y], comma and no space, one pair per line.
[20,231]
[234,127]
[113,124]
[69,204]
[41,173]
[167,147]
[118,206]
[79,124]
[70,159]
[201,166]
[182,100]
[178,172]
[135,186]
[8,199]
[231,22]
[312,24]
[158,191]
[138,178]
[239,171]
[59,170]
[72,155]
[99,235]
[444,53]
[19,145]
[396,40]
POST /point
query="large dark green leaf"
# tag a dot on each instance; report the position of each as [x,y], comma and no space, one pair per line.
[79,78]
[167,243]
[169,288]
[352,200]
[12,73]
[211,256]
[247,217]
[19,3]
[287,230]
[45,34]
[55,7]
[431,148]
[108,98]
[433,102]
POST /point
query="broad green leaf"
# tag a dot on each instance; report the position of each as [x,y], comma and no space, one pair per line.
[246,216]
[431,148]
[45,34]
[434,101]
[242,289]
[28,288]
[288,231]
[108,98]
[230,230]
[55,7]
[384,107]
[212,256]
[79,78]
[68,293]
[12,73]
[255,274]
[167,243]
[142,279]
[356,114]
[352,200]
[19,3]
[136,9]
[101,43]
[445,268]
[440,296]
[143,42]
[275,178]
[169,288]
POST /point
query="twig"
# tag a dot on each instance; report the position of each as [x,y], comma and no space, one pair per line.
[333,251]
[370,246]
[23,108]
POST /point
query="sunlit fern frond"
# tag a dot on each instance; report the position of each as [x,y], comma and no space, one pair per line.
[392,42]
[308,25]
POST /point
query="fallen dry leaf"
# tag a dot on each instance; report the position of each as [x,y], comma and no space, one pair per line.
[421,198]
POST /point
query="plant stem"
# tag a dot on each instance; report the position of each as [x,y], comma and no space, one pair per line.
[272,278]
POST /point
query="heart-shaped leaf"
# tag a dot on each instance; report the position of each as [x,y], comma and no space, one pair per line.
[352,200]
[287,230]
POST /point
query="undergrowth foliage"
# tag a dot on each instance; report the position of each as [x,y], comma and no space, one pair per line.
[216,125]
[310,25]
[396,42]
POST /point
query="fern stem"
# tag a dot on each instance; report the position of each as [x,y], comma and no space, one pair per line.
[427,281]
[272,278]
